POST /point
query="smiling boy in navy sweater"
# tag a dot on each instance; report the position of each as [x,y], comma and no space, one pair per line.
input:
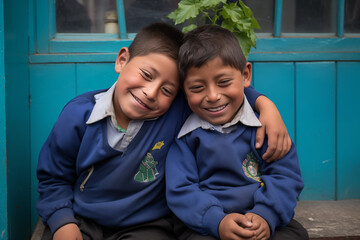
[101,170]
[217,181]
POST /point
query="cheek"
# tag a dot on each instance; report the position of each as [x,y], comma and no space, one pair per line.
[165,104]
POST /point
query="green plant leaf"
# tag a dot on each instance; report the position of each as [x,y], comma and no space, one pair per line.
[255,24]
[189,28]
[228,24]
[236,17]
[244,42]
[186,9]
[211,3]
[232,11]
[247,11]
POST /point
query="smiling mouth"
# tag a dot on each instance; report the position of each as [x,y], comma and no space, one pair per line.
[140,102]
[216,109]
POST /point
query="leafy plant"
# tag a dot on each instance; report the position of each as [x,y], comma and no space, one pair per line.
[235,16]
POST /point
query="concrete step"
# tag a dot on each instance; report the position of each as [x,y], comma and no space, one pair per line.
[335,220]
[324,220]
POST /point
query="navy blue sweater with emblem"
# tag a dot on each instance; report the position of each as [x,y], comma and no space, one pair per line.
[210,174]
[80,174]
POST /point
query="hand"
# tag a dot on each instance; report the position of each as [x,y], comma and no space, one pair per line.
[259,225]
[279,142]
[236,226]
[68,232]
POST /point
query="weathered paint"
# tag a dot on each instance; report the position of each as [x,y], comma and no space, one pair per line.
[3,180]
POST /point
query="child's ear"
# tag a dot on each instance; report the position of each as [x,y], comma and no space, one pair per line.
[247,75]
[122,59]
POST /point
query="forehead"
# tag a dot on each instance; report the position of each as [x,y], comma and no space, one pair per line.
[214,67]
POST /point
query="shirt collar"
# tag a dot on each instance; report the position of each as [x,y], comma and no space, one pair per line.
[103,107]
[245,115]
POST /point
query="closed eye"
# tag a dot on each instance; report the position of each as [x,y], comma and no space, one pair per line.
[146,75]
[224,82]
[168,92]
[196,88]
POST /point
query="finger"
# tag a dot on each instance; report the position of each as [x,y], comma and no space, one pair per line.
[243,221]
[272,145]
[286,147]
[244,233]
[261,235]
[278,150]
[260,136]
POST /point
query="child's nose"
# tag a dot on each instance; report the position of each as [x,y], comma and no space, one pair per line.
[151,92]
[212,95]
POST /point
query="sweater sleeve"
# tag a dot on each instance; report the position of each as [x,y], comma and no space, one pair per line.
[275,201]
[56,170]
[251,95]
[183,192]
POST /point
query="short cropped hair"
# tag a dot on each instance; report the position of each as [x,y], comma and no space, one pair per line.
[206,43]
[157,38]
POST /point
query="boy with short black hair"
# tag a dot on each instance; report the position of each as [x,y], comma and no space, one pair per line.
[217,182]
[101,170]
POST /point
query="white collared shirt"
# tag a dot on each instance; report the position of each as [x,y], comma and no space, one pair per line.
[104,108]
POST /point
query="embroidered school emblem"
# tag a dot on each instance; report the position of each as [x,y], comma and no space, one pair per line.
[147,169]
[251,167]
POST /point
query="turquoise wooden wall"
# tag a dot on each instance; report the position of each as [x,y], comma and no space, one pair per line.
[318,102]
[3,182]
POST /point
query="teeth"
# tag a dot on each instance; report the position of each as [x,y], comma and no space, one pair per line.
[216,109]
[139,101]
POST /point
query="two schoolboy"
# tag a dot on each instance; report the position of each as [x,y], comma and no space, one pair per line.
[217,182]
[101,170]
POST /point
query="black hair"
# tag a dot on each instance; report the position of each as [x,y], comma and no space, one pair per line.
[206,43]
[157,38]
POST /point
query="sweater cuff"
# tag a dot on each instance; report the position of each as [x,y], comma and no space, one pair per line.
[268,214]
[60,218]
[212,219]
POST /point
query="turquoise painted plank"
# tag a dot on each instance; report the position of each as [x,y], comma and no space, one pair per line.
[315,128]
[16,27]
[340,18]
[348,130]
[74,58]
[307,44]
[42,25]
[295,44]
[276,81]
[51,87]
[121,19]
[86,46]
[3,180]
[277,18]
[258,57]
[93,76]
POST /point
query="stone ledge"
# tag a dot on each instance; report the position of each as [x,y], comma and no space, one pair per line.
[335,220]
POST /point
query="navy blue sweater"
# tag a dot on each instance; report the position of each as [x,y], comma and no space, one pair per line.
[79,173]
[209,174]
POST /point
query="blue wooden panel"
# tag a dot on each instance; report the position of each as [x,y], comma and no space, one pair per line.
[51,87]
[315,128]
[276,81]
[348,130]
[93,76]
[3,182]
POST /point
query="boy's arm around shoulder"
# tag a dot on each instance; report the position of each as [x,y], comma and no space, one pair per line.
[273,126]
[275,201]
[56,170]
